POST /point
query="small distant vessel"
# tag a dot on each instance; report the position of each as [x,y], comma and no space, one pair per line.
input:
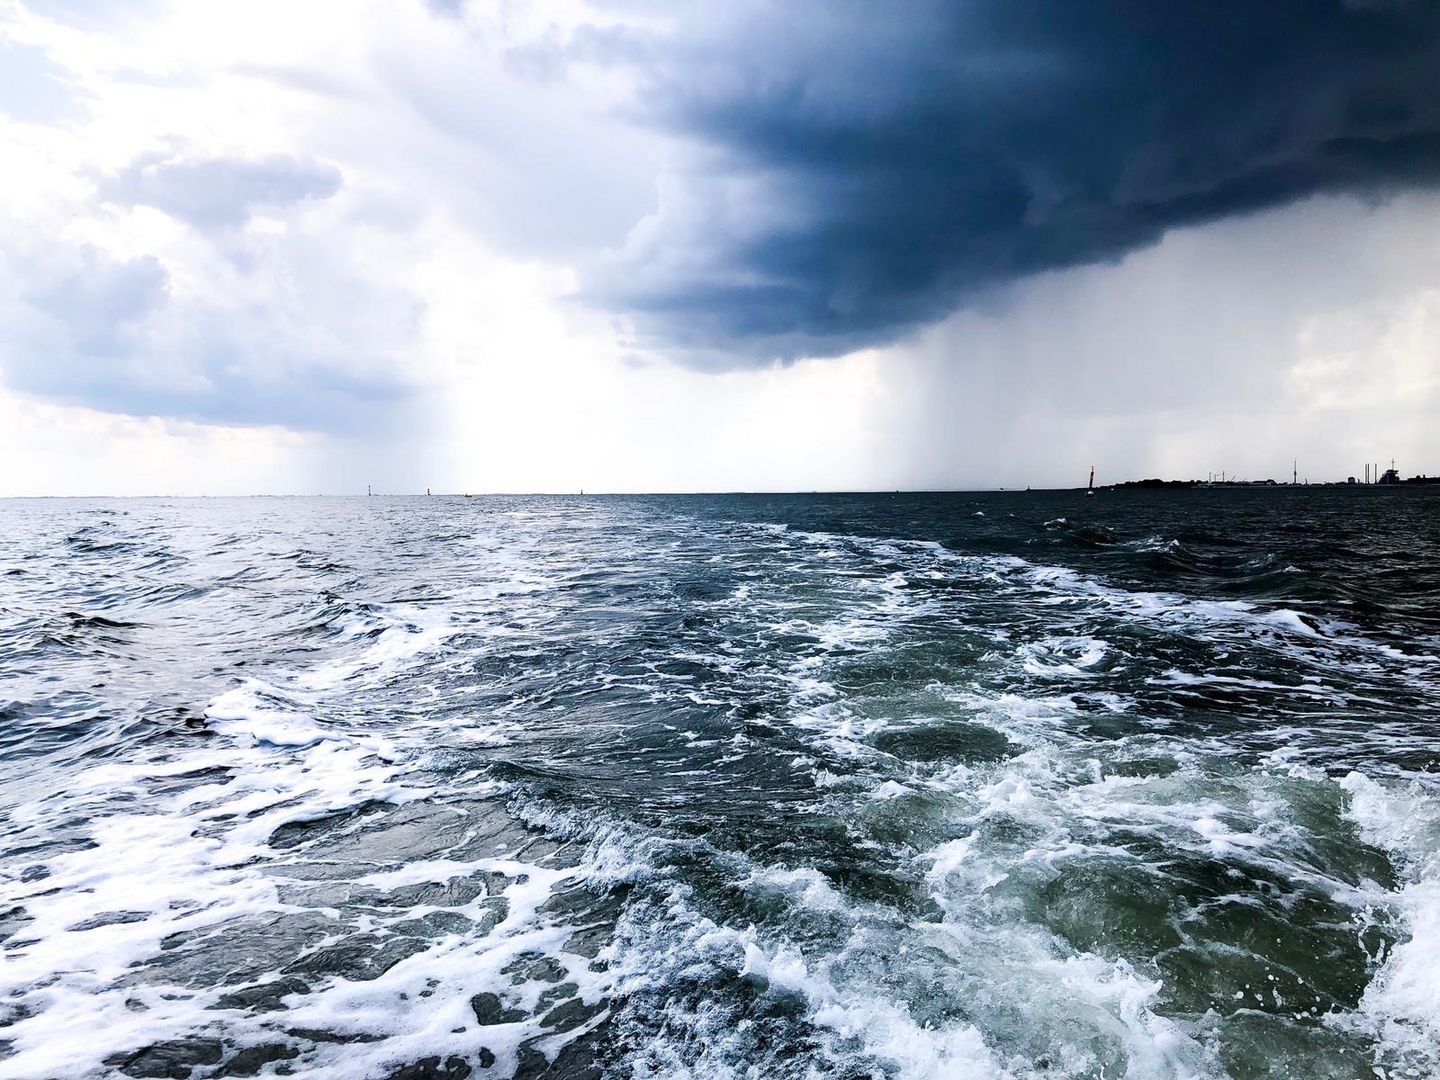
[1090,489]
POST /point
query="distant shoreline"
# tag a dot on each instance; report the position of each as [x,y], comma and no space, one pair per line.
[1157,484]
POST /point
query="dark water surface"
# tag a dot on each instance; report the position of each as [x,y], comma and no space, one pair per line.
[975,786]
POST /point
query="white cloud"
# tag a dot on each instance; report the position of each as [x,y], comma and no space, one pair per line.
[219,192]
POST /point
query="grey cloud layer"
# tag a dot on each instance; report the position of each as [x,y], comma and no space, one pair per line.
[219,192]
[108,334]
[866,167]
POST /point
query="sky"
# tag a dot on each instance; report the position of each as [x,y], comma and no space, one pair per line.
[626,245]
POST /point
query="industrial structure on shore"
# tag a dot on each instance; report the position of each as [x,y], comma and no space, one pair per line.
[1373,476]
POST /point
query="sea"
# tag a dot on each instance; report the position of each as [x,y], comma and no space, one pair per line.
[974,785]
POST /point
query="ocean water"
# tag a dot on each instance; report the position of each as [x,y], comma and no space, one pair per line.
[963,786]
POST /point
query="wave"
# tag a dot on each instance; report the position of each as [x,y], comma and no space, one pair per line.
[671,794]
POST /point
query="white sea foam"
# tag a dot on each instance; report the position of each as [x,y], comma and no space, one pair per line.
[1068,655]
[180,849]
[802,886]
[853,1023]
[254,714]
[405,637]
[1403,1000]
[961,962]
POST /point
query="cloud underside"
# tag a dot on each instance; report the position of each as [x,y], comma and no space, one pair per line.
[864,171]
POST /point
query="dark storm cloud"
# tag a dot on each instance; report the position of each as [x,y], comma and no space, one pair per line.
[220,192]
[869,167]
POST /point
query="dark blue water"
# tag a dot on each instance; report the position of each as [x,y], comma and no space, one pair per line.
[1002,785]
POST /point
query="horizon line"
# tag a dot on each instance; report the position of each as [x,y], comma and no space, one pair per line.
[676,493]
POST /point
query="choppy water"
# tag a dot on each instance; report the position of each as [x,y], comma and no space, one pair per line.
[915,786]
